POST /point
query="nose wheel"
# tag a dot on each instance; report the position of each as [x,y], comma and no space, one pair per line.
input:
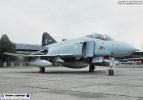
[110,72]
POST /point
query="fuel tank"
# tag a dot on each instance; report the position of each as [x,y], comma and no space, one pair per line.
[75,64]
[40,63]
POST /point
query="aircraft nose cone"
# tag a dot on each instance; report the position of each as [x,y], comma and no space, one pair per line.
[123,49]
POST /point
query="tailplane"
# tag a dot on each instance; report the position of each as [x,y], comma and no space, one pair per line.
[47,39]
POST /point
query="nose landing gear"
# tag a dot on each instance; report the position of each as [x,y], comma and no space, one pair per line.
[112,64]
[111,72]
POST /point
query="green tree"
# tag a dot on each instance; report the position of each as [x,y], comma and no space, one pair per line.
[6,46]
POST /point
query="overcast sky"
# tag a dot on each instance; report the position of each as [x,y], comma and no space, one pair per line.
[24,21]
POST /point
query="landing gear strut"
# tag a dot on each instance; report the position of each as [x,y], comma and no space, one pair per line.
[112,64]
[91,67]
[42,69]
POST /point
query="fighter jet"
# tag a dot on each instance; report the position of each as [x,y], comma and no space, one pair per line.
[81,52]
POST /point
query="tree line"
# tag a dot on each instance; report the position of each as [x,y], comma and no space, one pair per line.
[6,46]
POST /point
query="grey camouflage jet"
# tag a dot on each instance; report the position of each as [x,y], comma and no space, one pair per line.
[86,51]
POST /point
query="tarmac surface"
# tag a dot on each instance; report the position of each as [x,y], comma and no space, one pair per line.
[59,83]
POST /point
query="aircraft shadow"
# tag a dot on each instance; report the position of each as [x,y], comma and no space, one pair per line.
[97,72]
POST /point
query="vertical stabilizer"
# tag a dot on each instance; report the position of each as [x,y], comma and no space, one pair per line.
[47,39]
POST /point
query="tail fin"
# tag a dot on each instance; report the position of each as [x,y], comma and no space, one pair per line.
[47,39]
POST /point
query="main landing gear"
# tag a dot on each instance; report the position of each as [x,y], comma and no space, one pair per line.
[42,69]
[91,67]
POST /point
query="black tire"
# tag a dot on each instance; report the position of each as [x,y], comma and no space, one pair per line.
[42,69]
[112,72]
[91,68]
[109,72]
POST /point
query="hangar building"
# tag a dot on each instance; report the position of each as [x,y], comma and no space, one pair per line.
[22,48]
[27,48]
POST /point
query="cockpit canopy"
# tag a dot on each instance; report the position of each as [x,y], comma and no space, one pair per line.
[100,36]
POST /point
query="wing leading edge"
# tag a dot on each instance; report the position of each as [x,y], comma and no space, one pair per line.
[47,55]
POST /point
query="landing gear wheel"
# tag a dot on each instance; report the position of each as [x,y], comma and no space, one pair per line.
[91,68]
[42,69]
[111,72]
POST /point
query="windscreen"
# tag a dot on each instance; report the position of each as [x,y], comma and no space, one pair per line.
[100,36]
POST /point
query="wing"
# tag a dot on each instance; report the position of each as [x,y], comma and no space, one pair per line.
[47,55]
[14,54]
[51,55]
